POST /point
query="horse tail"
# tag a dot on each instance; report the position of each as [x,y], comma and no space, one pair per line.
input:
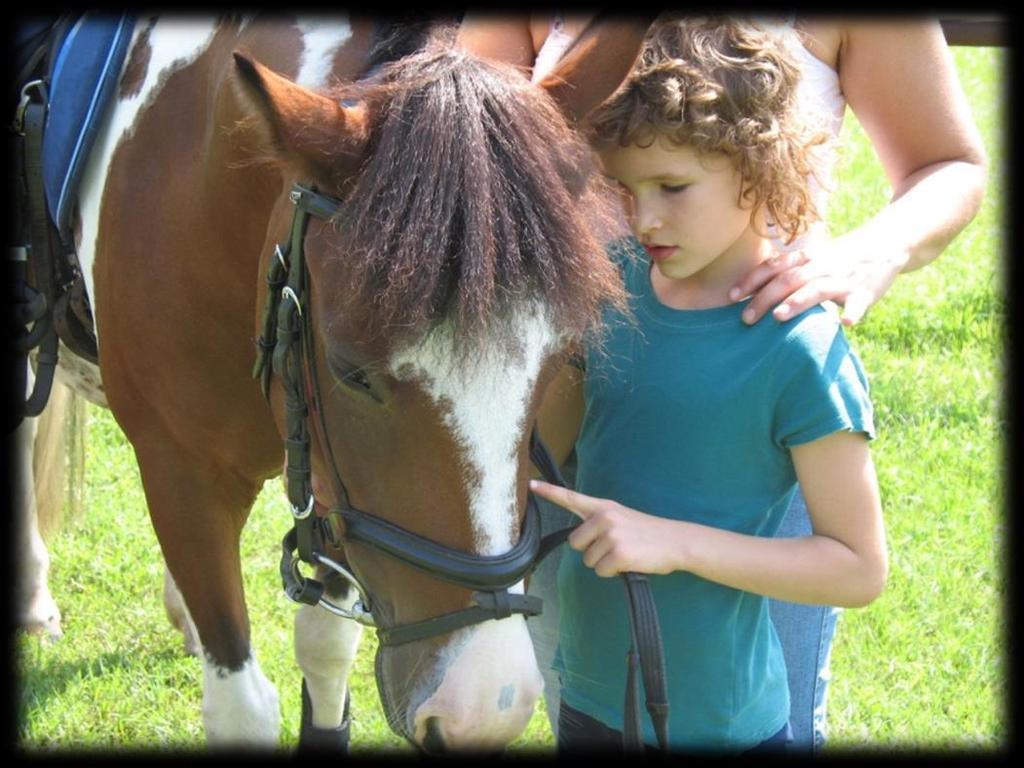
[58,461]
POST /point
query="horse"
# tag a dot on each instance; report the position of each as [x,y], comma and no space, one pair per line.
[50,442]
[48,454]
[418,230]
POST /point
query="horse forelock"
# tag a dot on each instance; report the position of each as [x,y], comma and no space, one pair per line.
[474,195]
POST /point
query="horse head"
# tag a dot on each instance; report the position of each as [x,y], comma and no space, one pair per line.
[462,263]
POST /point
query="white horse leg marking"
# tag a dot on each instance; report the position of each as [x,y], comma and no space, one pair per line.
[37,611]
[240,707]
[325,648]
[177,613]
[501,383]
[490,677]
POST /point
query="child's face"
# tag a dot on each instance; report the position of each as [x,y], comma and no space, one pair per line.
[684,208]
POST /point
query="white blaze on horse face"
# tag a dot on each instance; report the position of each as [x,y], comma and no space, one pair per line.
[484,406]
[321,39]
[240,707]
[174,43]
[490,679]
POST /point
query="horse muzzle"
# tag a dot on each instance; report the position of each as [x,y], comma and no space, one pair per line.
[476,693]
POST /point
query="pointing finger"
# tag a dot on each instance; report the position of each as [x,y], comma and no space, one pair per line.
[579,504]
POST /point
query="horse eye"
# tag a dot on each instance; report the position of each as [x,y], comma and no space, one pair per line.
[359,379]
[350,375]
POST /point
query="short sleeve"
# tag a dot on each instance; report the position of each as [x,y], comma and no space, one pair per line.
[821,383]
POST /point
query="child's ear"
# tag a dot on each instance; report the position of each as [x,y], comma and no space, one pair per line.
[596,64]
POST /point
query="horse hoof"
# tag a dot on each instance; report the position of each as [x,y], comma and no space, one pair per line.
[313,739]
[49,630]
[42,617]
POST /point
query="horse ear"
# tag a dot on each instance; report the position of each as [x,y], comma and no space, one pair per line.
[303,125]
[596,63]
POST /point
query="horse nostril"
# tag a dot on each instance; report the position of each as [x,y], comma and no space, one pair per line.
[433,740]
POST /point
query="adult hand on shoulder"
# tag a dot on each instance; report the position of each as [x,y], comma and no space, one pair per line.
[853,270]
[614,538]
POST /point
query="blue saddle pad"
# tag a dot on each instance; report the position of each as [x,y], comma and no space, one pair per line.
[83,80]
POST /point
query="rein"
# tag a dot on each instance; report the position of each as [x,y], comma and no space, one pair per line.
[285,348]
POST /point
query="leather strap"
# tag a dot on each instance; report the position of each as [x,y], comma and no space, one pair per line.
[488,605]
[42,253]
[467,570]
[647,653]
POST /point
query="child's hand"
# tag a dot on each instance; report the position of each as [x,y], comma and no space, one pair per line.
[614,538]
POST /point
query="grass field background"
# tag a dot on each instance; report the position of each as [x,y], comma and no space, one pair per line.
[921,668]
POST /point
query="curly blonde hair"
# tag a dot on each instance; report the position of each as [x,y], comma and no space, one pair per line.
[725,85]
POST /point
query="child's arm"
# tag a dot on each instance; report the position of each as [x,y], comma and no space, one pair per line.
[842,563]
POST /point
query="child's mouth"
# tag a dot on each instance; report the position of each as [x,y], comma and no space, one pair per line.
[659,252]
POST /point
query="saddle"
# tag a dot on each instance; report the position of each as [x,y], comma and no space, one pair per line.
[68,69]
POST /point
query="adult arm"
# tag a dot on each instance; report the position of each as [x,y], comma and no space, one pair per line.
[900,82]
[503,37]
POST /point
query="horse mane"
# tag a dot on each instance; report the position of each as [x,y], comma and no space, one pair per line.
[398,36]
[474,195]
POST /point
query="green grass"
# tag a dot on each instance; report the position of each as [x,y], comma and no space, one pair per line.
[922,667]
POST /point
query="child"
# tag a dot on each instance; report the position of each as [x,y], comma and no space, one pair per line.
[698,427]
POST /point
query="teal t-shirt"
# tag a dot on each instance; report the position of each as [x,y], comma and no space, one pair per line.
[690,414]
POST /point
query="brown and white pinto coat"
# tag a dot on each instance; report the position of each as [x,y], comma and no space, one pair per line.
[179,213]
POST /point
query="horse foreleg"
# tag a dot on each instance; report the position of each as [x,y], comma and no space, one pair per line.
[325,648]
[198,507]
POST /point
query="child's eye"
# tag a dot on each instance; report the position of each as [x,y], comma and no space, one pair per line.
[673,188]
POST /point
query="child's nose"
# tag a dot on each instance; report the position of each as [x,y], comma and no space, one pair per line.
[645,220]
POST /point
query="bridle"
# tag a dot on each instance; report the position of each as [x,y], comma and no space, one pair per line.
[294,363]
[286,343]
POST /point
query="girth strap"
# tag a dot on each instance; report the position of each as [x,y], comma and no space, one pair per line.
[28,137]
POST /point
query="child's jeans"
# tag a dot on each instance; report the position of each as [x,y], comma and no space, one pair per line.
[806,633]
